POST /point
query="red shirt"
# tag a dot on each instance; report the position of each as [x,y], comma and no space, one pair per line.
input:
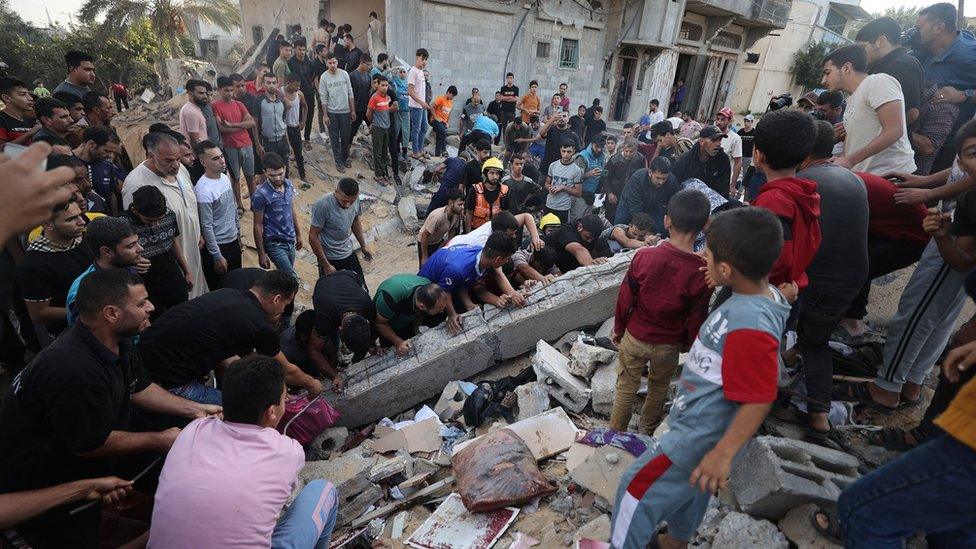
[796,203]
[11,128]
[232,111]
[664,297]
[889,220]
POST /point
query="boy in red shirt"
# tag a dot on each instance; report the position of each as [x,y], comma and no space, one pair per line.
[783,140]
[663,301]
[378,114]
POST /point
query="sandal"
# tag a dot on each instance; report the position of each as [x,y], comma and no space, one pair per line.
[821,438]
[832,530]
[895,439]
[858,392]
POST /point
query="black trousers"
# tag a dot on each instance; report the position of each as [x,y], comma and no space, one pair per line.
[818,316]
[280,147]
[471,138]
[310,114]
[884,256]
[339,135]
[231,252]
[350,263]
[295,140]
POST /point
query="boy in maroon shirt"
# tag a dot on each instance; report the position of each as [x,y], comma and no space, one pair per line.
[663,301]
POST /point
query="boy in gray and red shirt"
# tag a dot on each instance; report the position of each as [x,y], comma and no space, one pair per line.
[726,388]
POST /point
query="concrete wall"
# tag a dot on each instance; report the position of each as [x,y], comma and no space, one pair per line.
[277,14]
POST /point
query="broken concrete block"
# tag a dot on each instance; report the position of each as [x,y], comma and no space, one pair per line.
[451,402]
[597,529]
[584,359]
[345,468]
[773,475]
[532,400]
[387,468]
[740,531]
[605,330]
[598,475]
[706,531]
[565,344]
[354,507]
[798,528]
[552,369]
[603,385]
[407,209]
[329,441]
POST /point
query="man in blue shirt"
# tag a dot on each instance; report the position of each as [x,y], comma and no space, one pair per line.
[459,269]
[484,127]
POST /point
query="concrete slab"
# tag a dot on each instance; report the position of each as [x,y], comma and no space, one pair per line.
[552,370]
[602,470]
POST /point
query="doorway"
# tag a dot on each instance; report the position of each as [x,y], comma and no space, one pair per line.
[626,69]
[679,93]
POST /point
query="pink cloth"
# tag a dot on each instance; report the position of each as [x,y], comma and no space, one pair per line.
[192,120]
[224,485]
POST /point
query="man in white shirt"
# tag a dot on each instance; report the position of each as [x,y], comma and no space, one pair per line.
[732,144]
[875,137]
[653,116]
[417,91]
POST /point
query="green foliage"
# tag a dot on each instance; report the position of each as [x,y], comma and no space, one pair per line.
[33,53]
[807,65]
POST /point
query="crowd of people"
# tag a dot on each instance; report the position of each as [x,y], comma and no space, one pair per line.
[149,336]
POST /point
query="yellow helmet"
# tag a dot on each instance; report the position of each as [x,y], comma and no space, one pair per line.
[494,163]
[549,219]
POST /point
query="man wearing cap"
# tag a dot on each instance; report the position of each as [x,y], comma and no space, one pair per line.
[808,102]
[706,161]
[732,145]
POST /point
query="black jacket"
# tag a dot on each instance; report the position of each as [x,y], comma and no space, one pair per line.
[716,171]
[907,70]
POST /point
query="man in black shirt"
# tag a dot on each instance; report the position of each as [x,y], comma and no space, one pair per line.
[509,97]
[211,331]
[343,311]
[319,66]
[594,125]
[616,173]
[52,262]
[302,65]
[353,53]
[706,161]
[649,192]
[555,131]
[15,125]
[66,416]
[54,118]
[362,90]
[881,39]
[577,245]
[472,170]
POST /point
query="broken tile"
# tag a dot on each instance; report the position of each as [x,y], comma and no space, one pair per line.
[532,400]
[598,475]
[577,454]
[452,525]
[546,434]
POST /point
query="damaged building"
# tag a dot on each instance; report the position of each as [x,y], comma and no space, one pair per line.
[624,52]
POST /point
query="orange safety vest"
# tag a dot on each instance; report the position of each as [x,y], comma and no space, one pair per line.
[482,209]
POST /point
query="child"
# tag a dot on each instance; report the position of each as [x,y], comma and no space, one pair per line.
[727,387]
[563,182]
[276,231]
[378,114]
[637,234]
[662,302]
[783,140]
[441,109]
[537,143]
[486,198]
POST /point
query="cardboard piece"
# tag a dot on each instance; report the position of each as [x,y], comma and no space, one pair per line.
[422,436]
[546,434]
[452,525]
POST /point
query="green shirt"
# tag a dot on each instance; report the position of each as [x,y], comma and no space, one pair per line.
[281,70]
[395,297]
[41,91]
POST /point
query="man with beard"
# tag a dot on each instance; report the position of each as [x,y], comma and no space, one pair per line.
[67,415]
[555,132]
[193,124]
[620,166]
[162,168]
[81,73]
[98,145]
[706,161]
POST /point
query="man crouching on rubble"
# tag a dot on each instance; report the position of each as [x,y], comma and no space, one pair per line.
[726,389]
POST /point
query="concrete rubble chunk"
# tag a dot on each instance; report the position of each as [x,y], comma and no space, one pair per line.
[384,385]
[329,441]
[597,529]
[552,370]
[798,528]
[709,525]
[339,471]
[603,385]
[773,475]
[407,208]
[598,475]
[605,330]
[532,400]
[584,359]
[354,507]
[740,531]
[451,402]
[387,468]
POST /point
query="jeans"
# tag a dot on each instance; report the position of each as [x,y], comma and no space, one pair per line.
[339,125]
[440,141]
[928,489]
[279,147]
[381,151]
[198,392]
[403,120]
[295,140]
[661,361]
[310,519]
[819,315]
[884,256]
[418,128]
[282,254]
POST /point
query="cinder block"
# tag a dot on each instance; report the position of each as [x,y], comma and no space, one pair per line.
[603,386]
[773,475]
[552,370]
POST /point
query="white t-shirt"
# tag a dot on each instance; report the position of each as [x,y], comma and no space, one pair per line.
[416,77]
[732,145]
[675,122]
[862,125]
[477,237]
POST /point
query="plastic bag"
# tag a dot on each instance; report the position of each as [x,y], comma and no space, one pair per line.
[306,419]
[496,471]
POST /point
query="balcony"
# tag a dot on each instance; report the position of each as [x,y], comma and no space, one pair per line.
[774,12]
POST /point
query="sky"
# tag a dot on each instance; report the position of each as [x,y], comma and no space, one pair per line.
[62,10]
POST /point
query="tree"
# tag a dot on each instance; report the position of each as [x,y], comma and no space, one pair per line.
[167,18]
[807,65]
